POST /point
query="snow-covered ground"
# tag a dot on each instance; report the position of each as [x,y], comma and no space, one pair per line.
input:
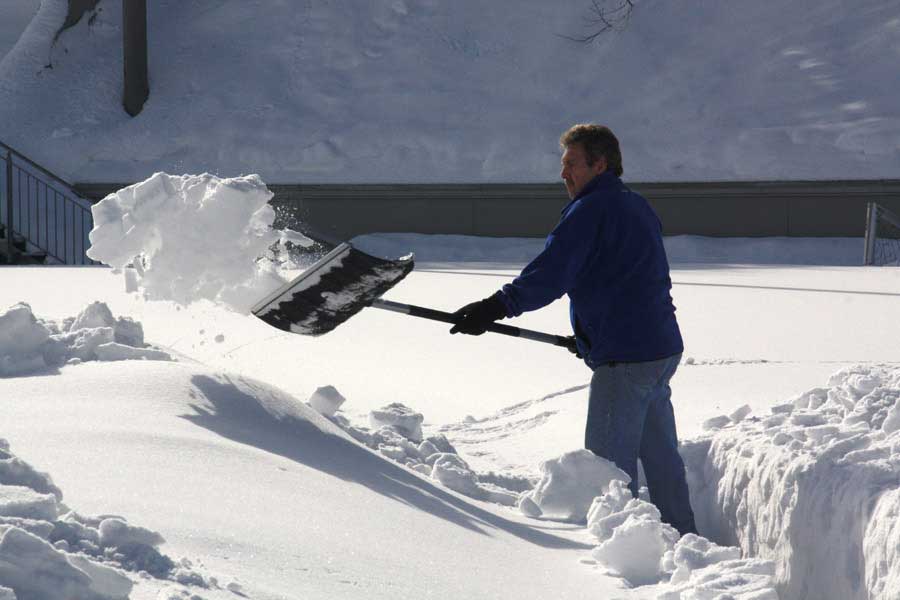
[465,91]
[215,451]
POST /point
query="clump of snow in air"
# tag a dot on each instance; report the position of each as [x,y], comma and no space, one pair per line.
[48,551]
[191,237]
[28,343]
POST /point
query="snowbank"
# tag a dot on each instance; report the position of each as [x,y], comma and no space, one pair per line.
[29,344]
[191,237]
[814,486]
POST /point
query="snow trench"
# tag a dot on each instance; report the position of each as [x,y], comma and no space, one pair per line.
[814,487]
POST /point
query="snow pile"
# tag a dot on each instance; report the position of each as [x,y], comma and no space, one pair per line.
[395,432]
[569,484]
[814,486]
[191,237]
[29,344]
[48,551]
[633,539]
[634,543]
[398,417]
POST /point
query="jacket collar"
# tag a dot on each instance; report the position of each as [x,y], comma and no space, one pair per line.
[604,180]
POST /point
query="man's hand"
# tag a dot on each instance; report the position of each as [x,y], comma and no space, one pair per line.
[572,346]
[475,318]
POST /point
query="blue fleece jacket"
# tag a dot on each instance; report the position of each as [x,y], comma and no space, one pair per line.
[607,254]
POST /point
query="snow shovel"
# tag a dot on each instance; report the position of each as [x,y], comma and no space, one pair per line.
[345,281]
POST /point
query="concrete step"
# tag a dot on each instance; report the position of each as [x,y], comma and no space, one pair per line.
[22,256]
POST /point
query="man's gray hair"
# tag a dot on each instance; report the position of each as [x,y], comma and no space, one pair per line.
[597,141]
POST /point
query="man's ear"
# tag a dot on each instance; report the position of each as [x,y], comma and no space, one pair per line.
[600,165]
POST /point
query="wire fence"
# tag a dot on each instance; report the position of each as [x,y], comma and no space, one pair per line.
[43,211]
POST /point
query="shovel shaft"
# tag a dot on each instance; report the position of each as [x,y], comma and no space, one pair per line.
[445,317]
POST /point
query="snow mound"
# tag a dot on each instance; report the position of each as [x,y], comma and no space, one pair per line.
[29,344]
[191,237]
[48,551]
[814,487]
[569,484]
[635,544]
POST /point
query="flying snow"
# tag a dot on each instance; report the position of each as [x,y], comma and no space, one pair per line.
[189,237]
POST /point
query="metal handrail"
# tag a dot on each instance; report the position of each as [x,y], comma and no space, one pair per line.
[64,217]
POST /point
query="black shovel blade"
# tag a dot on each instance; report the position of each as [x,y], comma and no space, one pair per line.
[331,291]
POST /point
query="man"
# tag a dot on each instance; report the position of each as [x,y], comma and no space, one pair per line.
[607,254]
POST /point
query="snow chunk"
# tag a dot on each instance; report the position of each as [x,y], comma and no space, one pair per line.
[715,423]
[746,579]
[112,351]
[117,533]
[326,400]
[740,414]
[693,552]
[192,237]
[25,503]
[636,548]
[96,314]
[14,471]
[528,507]
[7,594]
[129,332]
[38,571]
[454,472]
[442,444]
[401,418]
[22,339]
[570,482]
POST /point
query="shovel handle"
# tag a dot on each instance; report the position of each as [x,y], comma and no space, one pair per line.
[445,317]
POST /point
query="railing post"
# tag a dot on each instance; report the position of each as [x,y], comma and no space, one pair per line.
[871,232]
[10,242]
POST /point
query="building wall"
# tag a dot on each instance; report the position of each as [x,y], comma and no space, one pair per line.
[734,209]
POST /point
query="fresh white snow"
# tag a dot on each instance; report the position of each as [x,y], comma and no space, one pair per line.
[158,443]
[505,407]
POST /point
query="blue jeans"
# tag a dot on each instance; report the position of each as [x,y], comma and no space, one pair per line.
[630,416]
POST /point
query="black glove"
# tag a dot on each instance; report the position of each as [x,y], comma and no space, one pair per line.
[474,318]
[572,346]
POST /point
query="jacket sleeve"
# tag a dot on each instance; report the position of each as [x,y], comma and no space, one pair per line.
[555,270]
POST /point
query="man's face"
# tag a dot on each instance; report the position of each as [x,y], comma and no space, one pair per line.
[575,170]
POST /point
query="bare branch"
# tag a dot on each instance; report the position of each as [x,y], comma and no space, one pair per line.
[604,18]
